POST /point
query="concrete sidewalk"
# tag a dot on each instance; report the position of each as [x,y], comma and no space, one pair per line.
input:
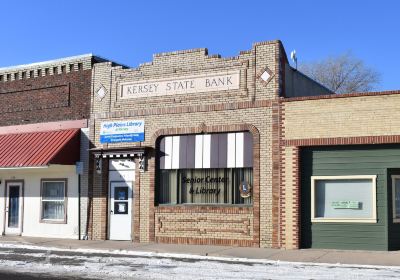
[391,258]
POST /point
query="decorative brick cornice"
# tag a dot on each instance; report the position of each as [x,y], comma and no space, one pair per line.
[344,95]
[359,140]
[184,109]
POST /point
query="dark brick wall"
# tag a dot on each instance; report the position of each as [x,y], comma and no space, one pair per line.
[45,99]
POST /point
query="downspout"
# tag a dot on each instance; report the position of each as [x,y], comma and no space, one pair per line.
[79,207]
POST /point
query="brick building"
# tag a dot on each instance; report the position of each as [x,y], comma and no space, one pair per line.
[340,171]
[197,149]
[187,147]
[43,137]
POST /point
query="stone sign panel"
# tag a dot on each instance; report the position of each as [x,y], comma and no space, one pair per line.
[217,81]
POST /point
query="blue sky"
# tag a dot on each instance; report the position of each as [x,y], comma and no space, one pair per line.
[130,32]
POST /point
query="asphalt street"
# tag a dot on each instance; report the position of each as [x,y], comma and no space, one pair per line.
[45,263]
[30,276]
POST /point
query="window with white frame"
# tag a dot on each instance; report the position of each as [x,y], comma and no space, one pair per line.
[343,199]
[53,200]
[396,198]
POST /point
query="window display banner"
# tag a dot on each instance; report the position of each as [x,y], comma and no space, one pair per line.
[122,131]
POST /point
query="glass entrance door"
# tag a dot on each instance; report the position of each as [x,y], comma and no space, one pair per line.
[120,210]
[14,208]
[121,176]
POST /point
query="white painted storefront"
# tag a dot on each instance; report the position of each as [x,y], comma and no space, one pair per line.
[31,219]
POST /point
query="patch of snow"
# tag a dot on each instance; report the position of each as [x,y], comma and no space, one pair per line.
[116,264]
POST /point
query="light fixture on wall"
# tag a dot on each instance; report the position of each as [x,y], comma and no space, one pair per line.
[142,163]
[98,164]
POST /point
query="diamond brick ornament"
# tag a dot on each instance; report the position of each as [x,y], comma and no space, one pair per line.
[101,92]
[265,76]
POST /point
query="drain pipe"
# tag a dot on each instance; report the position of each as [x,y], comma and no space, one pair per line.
[79,207]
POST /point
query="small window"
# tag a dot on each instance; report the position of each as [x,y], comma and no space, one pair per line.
[54,70]
[31,74]
[343,199]
[80,66]
[16,76]
[39,72]
[46,71]
[63,69]
[1,78]
[54,200]
[8,77]
[23,75]
[71,67]
[396,198]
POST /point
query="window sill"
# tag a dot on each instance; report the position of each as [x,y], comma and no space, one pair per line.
[44,221]
[205,205]
[204,208]
[348,220]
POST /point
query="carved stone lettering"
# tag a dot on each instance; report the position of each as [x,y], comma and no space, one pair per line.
[228,80]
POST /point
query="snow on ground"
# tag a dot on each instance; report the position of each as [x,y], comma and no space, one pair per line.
[105,264]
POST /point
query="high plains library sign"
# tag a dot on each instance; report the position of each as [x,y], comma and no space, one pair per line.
[122,131]
[227,80]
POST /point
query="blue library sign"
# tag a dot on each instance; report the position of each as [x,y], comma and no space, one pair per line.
[122,131]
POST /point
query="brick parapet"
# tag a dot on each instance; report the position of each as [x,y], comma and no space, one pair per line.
[46,68]
[344,95]
[341,117]
[188,63]
[53,98]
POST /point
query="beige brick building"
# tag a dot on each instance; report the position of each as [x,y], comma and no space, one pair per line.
[202,114]
[342,138]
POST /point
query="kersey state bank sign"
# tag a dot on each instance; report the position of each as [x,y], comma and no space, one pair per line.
[227,80]
[122,131]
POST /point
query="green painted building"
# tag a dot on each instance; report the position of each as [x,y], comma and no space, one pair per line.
[347,197]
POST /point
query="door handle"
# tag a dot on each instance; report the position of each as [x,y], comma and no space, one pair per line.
[111,211]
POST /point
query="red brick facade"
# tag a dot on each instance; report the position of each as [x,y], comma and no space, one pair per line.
[58,97]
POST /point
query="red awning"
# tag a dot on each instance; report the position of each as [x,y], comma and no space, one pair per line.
[39,148]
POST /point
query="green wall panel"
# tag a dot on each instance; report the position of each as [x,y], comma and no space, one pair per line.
[380,160]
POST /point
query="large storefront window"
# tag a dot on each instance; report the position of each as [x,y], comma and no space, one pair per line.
[205,169]
[209,186]
[343,199]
